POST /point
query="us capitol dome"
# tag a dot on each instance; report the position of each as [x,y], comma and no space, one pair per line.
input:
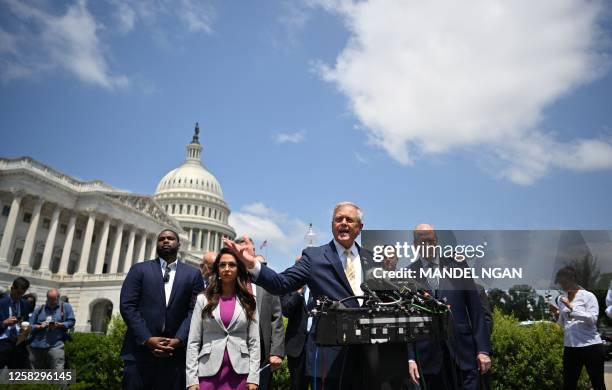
[193,196]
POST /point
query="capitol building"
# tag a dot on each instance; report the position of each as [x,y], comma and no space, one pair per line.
[82,237]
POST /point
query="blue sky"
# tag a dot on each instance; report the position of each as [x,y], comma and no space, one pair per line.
[488,115]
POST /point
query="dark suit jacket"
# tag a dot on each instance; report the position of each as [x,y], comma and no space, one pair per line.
[271,327]
[321,269]
[468,332]
[24,308]
[294,308]
[143,307]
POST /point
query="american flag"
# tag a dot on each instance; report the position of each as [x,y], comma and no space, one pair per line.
[263,244]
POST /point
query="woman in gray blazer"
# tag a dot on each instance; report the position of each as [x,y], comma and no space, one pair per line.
[223,345]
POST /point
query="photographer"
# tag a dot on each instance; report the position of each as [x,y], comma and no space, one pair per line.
[577,311]
[14,328]
[51,323]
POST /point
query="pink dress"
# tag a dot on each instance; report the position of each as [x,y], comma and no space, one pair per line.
[226,378]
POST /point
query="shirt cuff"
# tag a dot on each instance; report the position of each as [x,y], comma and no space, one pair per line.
[255,271]
[609,311]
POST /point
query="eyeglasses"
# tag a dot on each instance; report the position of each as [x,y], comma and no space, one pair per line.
[167,274]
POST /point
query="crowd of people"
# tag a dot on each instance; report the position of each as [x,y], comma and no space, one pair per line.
[221,327]
[32,337]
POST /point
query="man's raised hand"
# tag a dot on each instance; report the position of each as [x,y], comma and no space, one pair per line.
[241,252]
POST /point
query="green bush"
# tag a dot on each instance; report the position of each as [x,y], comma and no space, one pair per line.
[527,357]
[96,360]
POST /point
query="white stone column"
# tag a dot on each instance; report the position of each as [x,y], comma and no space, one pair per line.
[200,247]
[63,269]
[116,249]
[129,254]
[30,239]
[142,246]
[208,242]
[86,249]
[9,228]
[153,249]
[48,251]
[190,232]
[101,255]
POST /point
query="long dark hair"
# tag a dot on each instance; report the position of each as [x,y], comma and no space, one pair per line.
[213,292]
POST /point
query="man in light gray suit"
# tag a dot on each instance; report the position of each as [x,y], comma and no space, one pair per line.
[271,328]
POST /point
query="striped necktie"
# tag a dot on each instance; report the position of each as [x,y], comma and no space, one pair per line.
[349,270]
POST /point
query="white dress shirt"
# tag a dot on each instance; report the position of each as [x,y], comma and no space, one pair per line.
[580,323]
[170,283]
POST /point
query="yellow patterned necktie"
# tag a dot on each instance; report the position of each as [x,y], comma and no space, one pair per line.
[349,270]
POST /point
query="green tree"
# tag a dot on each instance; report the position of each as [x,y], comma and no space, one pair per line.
[523,301]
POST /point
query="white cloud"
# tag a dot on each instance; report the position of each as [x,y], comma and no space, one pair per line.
[292,18]
[292,138]
[198,15]
[195,15]
[44,39]
[284,234]
[68,41]
[432,77]
[126,17]
[360,158]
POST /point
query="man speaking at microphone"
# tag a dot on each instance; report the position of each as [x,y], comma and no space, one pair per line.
[333,270]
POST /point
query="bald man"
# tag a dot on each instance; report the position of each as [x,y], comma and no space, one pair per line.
[51,323]
[208,260]
[458,361]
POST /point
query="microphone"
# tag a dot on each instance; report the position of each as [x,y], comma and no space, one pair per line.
[366,289]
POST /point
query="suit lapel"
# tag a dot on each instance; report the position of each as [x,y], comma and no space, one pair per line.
[333,257]
[157,275]
[217,315]
[237,311]
[365,259]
